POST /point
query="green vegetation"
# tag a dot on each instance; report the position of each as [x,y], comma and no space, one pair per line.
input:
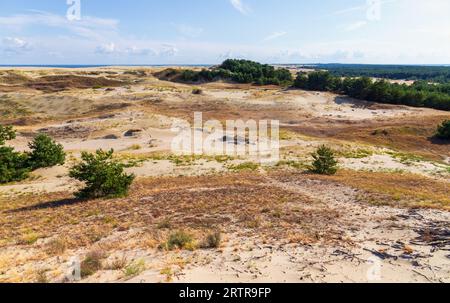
[45,152]
[244,166]
[6,133]
[240,71]
[134,269]
[197,91]
[357,154]
[179,240]
[420,94]
[29,238]
[13,165]
[443,131]
[16,166]
[103,176]
[292,163]
[324,161]
[439,74]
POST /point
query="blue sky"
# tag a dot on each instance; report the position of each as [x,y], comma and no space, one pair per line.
[209,31]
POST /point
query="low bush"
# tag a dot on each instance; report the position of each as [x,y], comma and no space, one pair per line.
[443,131]
[13,165]
[45,152]
[135,268]
[91,264]
[179,240]
[16,166]
[212,240]
[103,176]
[197,91]
[6,133]
[324,161]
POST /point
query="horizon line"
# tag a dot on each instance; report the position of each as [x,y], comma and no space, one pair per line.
[213,64]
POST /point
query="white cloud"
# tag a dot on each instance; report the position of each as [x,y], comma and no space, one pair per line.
[168,50]
[420,40]
[275,35]
[113,48]
[240,6]
[14,45]
[364,7]
[134,50]
[232,55]
[106,48]
[87,27]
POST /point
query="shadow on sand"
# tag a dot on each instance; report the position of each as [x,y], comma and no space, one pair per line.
[353,102]
[49,205]
[438,141]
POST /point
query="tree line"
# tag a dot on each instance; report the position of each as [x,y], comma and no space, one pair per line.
[420,94]
[240,71]
[438,74]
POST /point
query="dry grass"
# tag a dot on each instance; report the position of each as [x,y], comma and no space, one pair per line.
[92,263]
[135,268]
[397,189]
[234,202]
[410,136]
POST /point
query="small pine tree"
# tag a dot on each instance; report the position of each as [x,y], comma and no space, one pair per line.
[6,133]
[45,152]
[103,176]
[324,161]
[443,131]
[12,165]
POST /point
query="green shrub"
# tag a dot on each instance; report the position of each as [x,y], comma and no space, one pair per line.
[103,176]
[45,153]
[134,269]
[324,161]
[6,133]
[179,240]
[13,165]
[443,131]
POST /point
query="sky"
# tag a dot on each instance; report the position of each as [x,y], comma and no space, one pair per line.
[210,31]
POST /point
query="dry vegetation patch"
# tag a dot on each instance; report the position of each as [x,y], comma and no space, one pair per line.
[62,82]
[240,202]
[396,189]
